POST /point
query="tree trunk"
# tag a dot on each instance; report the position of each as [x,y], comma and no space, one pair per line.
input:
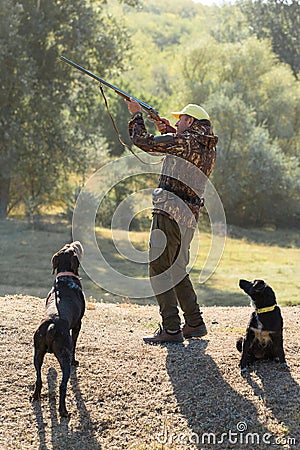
[4,195]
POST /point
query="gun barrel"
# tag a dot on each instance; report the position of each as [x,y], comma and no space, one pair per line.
[145,106]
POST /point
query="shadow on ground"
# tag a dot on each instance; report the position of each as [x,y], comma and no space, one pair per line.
[210,405]
[280,393]
[63,436]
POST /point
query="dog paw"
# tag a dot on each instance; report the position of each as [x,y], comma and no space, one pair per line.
[64,414]
[35,398]
[244,371]
[284,366]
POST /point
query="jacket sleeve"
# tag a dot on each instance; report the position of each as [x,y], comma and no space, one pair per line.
[161,144]
[170,143]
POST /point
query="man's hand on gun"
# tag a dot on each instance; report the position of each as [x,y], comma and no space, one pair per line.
[133,106]
[161,125]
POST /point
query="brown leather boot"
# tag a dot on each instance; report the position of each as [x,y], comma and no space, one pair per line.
[161,336]
[198,331]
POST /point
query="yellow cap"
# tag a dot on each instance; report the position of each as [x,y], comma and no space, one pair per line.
[192,110]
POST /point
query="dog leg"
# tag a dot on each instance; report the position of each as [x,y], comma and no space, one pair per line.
[75,333]
[239,344]
[244,358]
[64,359]
[39,354]
[281,355]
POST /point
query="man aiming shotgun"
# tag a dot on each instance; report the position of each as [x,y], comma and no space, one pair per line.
[193,144]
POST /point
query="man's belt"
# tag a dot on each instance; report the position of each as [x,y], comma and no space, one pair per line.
[199,201]
[195,200]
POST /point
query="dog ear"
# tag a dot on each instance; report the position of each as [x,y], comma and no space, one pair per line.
[259,285]
[78,249]
[54,262]
[74,263]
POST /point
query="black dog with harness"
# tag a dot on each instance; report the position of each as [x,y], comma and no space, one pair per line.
[59,330]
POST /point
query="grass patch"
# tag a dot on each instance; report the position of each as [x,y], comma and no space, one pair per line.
[272,255]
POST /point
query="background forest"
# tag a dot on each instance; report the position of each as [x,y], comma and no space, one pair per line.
[240,61]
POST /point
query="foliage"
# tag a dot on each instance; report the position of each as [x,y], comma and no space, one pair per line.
[120,192]
[50,116]
[278,20]
[238,63]
[232,26]
[252,173]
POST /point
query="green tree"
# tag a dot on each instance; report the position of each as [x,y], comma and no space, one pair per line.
[11,91]
[232,25]
[250,71]
[253,100]
[278,20]
[257,182]
[50,115]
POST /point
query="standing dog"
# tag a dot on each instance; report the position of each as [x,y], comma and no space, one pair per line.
[264,333]
[59,330]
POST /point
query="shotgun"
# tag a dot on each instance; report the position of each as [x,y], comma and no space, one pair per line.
[147,108]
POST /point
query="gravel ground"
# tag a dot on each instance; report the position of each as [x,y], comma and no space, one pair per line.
[129,395]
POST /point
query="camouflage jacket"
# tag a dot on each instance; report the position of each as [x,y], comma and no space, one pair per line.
[188,163]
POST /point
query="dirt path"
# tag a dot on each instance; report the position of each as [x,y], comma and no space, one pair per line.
[128,395]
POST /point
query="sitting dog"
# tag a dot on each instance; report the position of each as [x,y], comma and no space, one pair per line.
[264,333]
[65,306]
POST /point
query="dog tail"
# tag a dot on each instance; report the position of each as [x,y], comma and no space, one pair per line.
[50,334]
[239,344]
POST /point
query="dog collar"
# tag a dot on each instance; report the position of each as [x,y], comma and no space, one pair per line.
[267,309]
[66,274]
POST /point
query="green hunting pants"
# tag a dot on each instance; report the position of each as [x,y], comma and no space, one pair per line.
[169,257]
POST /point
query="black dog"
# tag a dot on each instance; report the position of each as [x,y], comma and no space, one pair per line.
[65,306]
[264,333]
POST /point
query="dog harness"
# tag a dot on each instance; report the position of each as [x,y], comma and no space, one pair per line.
[265,310]
[72,284]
